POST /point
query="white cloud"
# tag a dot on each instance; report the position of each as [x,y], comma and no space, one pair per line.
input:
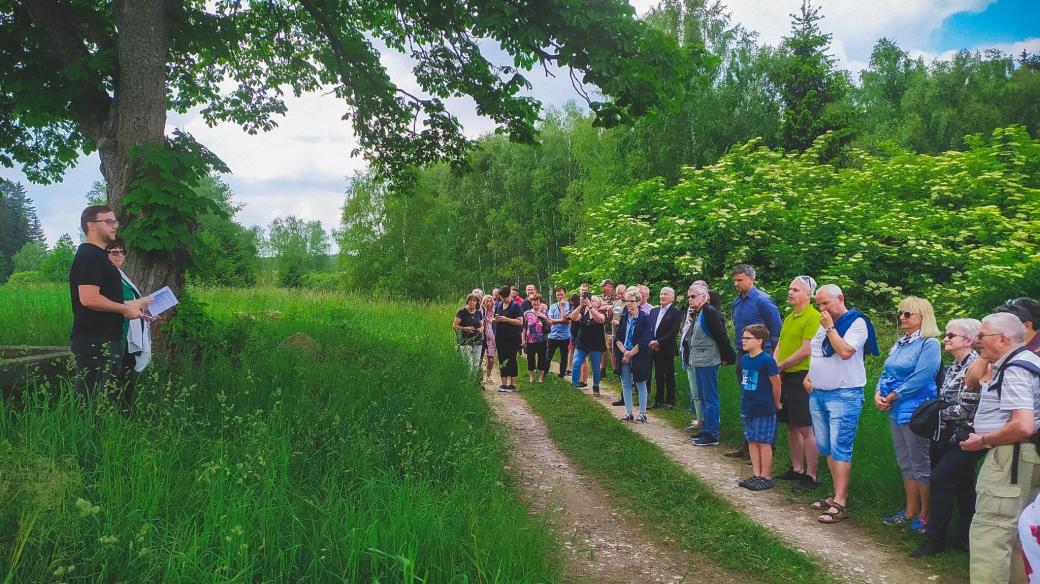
[311,140]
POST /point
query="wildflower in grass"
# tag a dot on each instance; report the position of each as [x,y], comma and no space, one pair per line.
[86,509]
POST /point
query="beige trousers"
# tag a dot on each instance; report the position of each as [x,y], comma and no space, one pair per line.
[996,555]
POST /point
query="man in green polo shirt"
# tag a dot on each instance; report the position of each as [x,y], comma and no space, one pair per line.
[792,358]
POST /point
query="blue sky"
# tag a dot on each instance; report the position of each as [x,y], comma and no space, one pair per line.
[302,167]
[1005,21]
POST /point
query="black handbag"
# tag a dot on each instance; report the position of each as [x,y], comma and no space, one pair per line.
[925,420]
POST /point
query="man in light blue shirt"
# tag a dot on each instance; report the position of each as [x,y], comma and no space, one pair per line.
[560,332]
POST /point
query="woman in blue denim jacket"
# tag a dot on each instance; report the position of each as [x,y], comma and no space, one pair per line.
[907,380]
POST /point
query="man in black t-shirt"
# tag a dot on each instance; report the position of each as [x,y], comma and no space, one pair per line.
[526,305]
[98,309]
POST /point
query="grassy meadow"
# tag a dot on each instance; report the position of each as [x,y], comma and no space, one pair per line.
[359,458]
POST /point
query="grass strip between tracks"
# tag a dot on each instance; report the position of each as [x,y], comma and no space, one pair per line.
[648,486]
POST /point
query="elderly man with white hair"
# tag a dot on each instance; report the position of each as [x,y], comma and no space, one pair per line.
[666,320]
[1007,416]
[704,347]
[644,294]
[835,385]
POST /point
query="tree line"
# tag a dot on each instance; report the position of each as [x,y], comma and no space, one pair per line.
[294,251]
[511,216]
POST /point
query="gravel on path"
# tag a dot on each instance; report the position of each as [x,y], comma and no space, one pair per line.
[600,544]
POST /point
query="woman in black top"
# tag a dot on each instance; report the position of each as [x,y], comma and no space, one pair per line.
[469,333]
[508,325]
[592,338]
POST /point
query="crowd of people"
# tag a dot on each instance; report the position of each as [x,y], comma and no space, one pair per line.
[807,370]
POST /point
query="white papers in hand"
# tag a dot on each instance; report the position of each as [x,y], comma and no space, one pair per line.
[162,300]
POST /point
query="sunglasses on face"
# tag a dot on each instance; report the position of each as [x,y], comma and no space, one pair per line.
[116,252]
[955,335]
[1012,303]
[904,314]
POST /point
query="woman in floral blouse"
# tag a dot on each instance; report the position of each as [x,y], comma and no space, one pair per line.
[953,469]
[488,305]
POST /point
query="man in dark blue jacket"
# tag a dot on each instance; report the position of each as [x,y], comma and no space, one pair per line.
[752,306]
[666,320]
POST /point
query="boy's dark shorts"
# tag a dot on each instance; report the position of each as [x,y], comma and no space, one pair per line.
[795,412]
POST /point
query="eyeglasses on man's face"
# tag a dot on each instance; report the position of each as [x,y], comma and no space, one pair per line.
[982,336]
[109,222]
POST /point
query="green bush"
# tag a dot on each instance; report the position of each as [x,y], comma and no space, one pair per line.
[961,229]
[324,281]
[55,267]
[291,276]
[26,279]
[30,257]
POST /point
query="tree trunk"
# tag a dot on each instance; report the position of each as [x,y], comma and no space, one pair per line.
[138,116]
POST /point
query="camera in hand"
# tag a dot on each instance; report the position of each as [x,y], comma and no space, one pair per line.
[959,433]
[586,295]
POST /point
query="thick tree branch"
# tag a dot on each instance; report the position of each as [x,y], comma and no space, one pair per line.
[66,45]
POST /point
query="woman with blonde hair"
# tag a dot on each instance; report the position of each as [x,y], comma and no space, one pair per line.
[907,380]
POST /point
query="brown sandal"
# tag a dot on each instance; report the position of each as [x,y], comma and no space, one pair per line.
[822,504]
[834,516]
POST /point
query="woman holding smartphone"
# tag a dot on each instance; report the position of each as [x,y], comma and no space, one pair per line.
[592,339]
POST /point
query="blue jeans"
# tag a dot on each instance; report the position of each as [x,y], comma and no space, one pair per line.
[835,419]
[626,389]
[708,389]
[579,356]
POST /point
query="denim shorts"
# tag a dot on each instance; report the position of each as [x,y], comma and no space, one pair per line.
[760,429]
[835,418]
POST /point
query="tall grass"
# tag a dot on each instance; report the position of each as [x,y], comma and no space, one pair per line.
[366,459]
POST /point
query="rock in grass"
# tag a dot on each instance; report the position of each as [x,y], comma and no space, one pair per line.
[300,343]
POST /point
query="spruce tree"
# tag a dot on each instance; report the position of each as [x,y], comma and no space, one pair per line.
[810,86]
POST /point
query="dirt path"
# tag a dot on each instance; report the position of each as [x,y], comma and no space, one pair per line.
[599,544]
[847,551]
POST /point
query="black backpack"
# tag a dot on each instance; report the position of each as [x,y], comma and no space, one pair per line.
[998,381]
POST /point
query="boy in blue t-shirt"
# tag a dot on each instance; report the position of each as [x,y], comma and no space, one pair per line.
[760,399]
